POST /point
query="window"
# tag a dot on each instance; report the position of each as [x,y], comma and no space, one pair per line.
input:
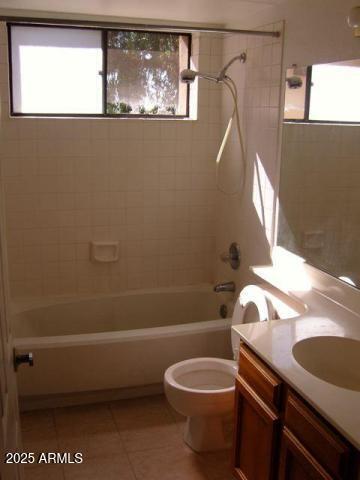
[74,71]
[325,93]
[143,73]
[335,92]
[56,70]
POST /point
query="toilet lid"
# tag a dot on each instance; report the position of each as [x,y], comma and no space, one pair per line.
[251,295]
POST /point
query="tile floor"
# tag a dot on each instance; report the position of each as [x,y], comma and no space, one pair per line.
[126,440]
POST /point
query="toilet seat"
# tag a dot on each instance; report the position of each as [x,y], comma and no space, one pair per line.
[251,295]
[201,387]
[205,375]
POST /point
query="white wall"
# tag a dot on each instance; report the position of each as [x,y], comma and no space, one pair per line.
[148,184]
[173,210]
[315,31]
[248,218]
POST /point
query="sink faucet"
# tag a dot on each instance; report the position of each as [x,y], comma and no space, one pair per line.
[225,287]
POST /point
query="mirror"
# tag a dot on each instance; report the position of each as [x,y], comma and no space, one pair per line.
[319,197]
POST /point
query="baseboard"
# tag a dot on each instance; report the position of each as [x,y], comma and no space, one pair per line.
[38,402]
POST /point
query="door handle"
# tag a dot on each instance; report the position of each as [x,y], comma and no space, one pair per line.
[20,358]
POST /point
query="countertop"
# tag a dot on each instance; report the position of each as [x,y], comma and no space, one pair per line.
[273,342]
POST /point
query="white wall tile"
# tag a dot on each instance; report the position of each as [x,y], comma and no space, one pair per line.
[148,184]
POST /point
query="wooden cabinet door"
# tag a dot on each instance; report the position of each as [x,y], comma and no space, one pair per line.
[296,463]
[328,449]
[255,435]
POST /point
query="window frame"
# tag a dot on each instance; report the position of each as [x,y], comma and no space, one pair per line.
[306,118]
[104,36]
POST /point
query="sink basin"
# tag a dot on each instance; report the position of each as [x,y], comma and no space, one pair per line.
[335,360]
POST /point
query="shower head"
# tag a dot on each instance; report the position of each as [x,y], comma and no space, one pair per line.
[294,82]
[188,76]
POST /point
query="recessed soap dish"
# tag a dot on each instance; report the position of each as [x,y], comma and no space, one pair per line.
[104,252]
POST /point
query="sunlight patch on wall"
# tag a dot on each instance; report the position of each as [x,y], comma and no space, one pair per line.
[290,270]
[263,197]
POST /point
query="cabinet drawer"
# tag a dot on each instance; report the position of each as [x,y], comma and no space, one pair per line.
[260,377]
[326,447]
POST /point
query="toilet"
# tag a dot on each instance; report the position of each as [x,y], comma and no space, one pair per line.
[202,389]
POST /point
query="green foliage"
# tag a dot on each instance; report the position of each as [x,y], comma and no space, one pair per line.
[116,108]
[147,41]
[112,108]
[154,110]
[125,107]
[122,107]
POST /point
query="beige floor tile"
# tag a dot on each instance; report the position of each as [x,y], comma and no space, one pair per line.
[38,425]
[217,465]
[84,420]
[171,463]
[131,409]
[145,423]
[115,468]
[37,446]
[45,472]
[147,428]
[98,445]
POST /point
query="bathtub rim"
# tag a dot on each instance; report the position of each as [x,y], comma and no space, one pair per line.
[114,336]
[20,305]
[88,339]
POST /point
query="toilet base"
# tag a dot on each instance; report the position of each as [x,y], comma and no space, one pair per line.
[206,433]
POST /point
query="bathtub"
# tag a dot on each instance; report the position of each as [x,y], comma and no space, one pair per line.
[118,341]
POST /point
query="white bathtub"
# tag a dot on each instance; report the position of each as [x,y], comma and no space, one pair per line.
[116,342]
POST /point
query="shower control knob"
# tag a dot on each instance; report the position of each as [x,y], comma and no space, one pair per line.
[20,358]
[233,257]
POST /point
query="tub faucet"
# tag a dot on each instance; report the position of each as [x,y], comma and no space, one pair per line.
[225,287]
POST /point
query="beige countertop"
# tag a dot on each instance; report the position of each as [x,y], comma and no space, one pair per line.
[273,341]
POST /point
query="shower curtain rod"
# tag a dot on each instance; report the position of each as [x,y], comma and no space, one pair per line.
[133,26]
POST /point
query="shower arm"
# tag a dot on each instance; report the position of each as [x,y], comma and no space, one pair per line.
[222,74]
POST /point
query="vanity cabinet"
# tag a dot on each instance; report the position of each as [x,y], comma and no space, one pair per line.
[296,463]
[278,436]
[256,436]
[257,419]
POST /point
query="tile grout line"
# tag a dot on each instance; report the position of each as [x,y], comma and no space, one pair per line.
[197,454]
[109,405]
[222,474]
[57,439]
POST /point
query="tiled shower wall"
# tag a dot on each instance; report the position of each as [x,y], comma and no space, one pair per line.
[248,217]
[148,184]
[320,195]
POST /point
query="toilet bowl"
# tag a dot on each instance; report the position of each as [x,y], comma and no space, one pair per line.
[202,389]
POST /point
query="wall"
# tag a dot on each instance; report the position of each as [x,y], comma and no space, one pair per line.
[315,31]
[319,196]
[248,218]
[148,184]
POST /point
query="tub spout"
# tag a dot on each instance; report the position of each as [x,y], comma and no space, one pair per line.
[225,287]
